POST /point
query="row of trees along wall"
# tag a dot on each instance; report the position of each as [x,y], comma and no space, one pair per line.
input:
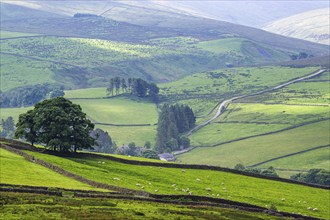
[135,86]
[173,121]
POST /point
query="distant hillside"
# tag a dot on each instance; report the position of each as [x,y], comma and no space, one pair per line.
[250,13]
[312,26]
[132,23]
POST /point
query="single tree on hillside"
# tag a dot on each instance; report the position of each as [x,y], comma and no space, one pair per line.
[57,123]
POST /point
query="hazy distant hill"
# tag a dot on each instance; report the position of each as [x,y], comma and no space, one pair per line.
[250,13]
[312,25]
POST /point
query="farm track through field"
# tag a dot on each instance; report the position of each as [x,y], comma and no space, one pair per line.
[223,105]
[289,155]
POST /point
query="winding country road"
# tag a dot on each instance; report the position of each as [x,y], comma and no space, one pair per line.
[223,105]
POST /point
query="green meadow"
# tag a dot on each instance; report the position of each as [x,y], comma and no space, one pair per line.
[15,169]
[119,110]
[10,34]
[200,182]
[35,206]
[315,159]
[89,93]
[123,135]
[267,147]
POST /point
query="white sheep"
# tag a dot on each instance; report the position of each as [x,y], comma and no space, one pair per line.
[138,184]
[315,209]
[150,184]
[176,189]
[309,208]
[190,193]
[156,190]
[183,171]
[103,162]
[208,189]
[173,185]
[198,179]
[142,187]
[218,195]
[283,199]
[116,178]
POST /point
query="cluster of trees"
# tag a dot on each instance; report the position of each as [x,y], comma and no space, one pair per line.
[58,124]
[316,176]
[135,86]
[173,121]
[84,15]
[270,171]
[301,55]
[8,127]
[103,142]
[133,150]
[29,95]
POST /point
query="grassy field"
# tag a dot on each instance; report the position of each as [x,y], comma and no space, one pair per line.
[225,83]
[99,92]
[34,206]
[15,169]
[274,113]
[216,133]
[119,110]
[230,186]
[10,34]
[312,91]
[316,159]
[13,112]
[20,71]
[268,146]
[137,134]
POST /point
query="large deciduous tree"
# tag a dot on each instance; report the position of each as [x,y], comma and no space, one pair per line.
[57,123]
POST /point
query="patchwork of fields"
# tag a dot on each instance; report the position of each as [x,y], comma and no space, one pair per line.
[267,124]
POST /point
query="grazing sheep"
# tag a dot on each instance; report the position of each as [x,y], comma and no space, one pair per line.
[99,162]
[173,185]
[156,190]
[213,195]
[309,208]
[190,193]
[103,162]
[315,209]
[142,187]
[283,199]
[208,189]
[198,179]
[116,178]
[150,184]
[183,171]
[176,189]
[224,188]
[138,184]
[222,183]
[218,195]
[183,190]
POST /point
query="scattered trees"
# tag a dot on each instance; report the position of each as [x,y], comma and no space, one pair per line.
[29,95]
[57,123]
[174,120]
[316,176]
[270,171]
[135,86]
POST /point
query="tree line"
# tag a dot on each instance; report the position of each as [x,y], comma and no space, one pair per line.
[135,86]
[29,95]
[173,121]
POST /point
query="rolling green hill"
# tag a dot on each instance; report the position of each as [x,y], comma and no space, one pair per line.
[160,180]
[16,170]
[80,62]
